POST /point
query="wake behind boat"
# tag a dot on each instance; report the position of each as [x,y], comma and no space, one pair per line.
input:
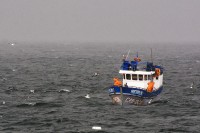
[142,83]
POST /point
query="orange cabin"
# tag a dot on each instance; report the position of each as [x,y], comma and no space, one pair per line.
[150,86]
[117,82]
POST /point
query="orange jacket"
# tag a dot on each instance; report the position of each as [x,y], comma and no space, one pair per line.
[150,86]
[117,82]
[157,72]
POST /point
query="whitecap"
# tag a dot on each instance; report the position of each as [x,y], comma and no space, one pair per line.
[64,90]
[87,96]
[150,101]
[32,91]
[191,86]
[71,65]
[12,44]
[96,128]
[32,104]
[96,74]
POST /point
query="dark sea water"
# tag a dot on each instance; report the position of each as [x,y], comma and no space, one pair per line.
[42,89]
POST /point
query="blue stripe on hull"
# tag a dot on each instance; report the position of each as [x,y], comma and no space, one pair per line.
[134,92]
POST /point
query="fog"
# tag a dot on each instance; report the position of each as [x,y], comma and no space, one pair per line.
[82,21]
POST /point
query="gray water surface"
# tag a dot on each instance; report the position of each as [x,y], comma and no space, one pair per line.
[42,89]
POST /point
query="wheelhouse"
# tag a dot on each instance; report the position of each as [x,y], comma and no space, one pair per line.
[139,78]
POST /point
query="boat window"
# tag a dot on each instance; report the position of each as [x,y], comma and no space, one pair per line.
[134,76]
[128,76]
[145,77]
[124,76]
[140,77]
[150,77]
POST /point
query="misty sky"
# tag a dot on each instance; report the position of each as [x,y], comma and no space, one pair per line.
[163,21]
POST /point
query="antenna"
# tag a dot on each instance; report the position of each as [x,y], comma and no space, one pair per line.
[128,54]
[151,56]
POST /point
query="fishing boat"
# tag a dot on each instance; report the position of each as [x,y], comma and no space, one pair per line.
[141,83]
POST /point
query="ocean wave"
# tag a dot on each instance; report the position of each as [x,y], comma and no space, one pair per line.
[39,104]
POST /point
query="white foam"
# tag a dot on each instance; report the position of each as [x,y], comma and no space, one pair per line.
[150,101]
[96,74]
[32,91]
[64,90]
[87,96]
[96,128]
[191,86]
[31,104]
[3,102]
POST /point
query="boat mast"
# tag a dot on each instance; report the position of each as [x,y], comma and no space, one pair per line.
[127,54]
[152,63]
[151,56]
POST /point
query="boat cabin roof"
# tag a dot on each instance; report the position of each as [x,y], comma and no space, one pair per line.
[136,72]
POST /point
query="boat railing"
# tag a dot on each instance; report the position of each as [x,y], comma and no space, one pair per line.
[139,66]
